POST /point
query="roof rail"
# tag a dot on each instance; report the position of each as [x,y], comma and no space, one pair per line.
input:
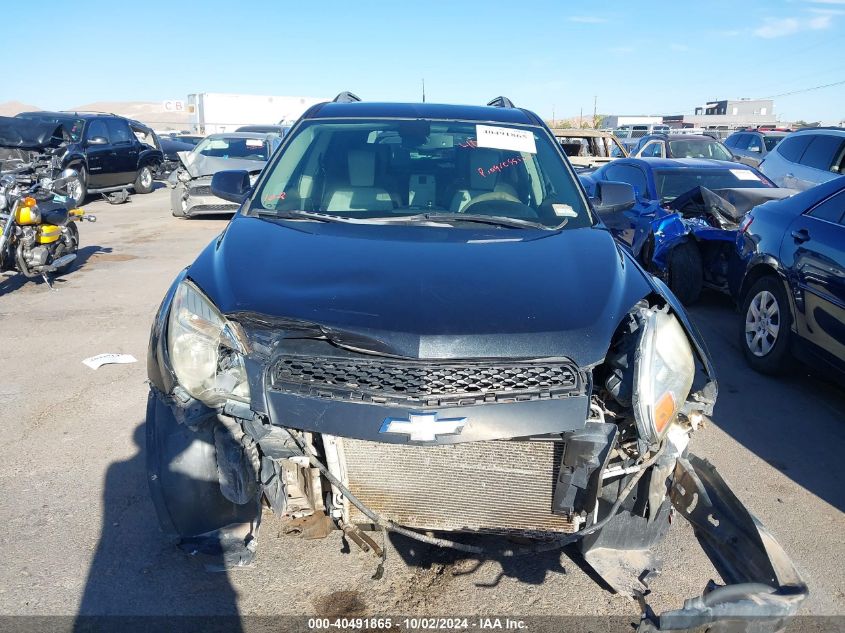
[346,97]
[501,102]
[88,112]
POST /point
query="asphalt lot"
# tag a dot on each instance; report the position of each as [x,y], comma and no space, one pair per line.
[79,534]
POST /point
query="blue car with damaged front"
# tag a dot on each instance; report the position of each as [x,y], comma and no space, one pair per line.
[684,224]
[416,323]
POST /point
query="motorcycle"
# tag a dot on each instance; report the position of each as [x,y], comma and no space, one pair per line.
[38,234]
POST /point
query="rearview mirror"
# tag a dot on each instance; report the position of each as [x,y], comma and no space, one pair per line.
[231,185]
[613,197]
[98,140]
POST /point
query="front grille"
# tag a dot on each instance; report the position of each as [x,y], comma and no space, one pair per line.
[498,487]
[425,383]
[200,190]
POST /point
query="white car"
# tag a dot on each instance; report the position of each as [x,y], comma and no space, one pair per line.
[807,158]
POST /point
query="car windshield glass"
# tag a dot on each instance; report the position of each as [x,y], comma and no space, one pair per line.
[369,169]
[232,147]
[72,125]
[771,141]
[698,149]
[671,184]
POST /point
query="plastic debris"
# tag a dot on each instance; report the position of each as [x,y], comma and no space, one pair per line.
[109,359]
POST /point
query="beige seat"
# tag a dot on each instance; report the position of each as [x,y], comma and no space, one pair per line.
[480,159]
[360,194]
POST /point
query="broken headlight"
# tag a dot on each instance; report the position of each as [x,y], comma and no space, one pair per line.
[204,350]
[663,374]
[183,176]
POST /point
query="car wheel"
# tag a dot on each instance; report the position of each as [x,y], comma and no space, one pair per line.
[178,204]
[78,190]
[766,326]
[144,181]
[686,272]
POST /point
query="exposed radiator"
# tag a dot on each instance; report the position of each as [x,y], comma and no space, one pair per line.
[503,487]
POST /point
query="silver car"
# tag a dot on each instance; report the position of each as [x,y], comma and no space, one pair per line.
[191,182]
[752,146]
[807,158]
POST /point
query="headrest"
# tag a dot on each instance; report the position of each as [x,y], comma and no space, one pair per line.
[483,159]
[362,168]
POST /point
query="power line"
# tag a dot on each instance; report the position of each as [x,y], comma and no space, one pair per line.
[795,92]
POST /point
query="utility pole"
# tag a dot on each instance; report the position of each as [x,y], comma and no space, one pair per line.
[553,115]
[423,89]
[581,118]
[595,101]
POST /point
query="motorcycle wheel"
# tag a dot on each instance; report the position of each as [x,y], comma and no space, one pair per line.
[67,246]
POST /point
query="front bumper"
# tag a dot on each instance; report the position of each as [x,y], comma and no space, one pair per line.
[763,586]
[197,199]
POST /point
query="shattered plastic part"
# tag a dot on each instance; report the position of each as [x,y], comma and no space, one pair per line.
[763,589]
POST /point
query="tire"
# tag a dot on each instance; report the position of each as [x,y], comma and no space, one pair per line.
[81,191]
[686,272]
[67,249]
[144,180]
[177,207]
[766,322]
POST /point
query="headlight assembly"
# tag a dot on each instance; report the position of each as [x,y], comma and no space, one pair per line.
[663,375]
[204,350]
[183,176]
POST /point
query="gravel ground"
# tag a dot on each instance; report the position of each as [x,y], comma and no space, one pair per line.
[79,532]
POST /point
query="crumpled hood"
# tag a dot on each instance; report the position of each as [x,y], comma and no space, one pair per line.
[200,165]
[429,292]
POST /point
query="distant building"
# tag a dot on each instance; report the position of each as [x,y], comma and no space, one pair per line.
[725,114]
[617,120]
[728,114]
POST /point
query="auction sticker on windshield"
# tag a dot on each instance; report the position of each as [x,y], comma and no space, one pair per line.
[494,137]
[744,174]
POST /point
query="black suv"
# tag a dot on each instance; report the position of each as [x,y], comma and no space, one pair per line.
[417,323]
[105,150]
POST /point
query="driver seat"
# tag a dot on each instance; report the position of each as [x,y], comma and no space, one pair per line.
[480,160]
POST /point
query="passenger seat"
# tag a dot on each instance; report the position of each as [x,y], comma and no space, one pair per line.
[360,194]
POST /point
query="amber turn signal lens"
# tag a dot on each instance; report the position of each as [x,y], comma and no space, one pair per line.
[663,411]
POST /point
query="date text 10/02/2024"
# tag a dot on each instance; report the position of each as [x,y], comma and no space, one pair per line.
[418,623]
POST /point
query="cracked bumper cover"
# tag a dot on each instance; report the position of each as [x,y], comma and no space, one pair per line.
[763,587]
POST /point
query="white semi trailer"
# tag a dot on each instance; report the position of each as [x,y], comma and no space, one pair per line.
[212,112]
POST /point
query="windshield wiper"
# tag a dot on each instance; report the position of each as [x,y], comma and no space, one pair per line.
[495,220]
[300,214]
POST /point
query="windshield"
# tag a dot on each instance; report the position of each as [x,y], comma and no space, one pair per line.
[698,149]
[771,141]
[366,169]
[233,147]
[671,184]
[72,125]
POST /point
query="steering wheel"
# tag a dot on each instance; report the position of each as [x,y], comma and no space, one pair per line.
[490,196]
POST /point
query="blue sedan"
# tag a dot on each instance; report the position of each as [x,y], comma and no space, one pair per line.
[791,286]
[684,224]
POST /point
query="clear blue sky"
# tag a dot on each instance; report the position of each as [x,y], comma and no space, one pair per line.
[636,57]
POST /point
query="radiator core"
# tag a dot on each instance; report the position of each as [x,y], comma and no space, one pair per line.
[500,487]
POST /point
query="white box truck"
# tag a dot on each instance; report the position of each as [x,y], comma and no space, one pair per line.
[212,112]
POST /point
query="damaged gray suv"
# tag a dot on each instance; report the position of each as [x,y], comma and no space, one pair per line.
[416,323]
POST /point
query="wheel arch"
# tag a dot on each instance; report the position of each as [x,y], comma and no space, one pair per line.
[762,267]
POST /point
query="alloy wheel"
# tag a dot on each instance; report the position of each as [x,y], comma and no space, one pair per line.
[762,323]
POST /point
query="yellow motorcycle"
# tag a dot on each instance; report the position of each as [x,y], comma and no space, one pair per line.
[38,234]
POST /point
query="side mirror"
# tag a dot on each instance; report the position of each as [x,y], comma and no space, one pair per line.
[231,184]
[98,140]
[613,197]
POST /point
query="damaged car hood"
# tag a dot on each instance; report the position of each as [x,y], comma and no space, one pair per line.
[427,292]
[199,165]
[28,134]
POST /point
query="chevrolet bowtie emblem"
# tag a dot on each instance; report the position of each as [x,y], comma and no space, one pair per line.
[423,427]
